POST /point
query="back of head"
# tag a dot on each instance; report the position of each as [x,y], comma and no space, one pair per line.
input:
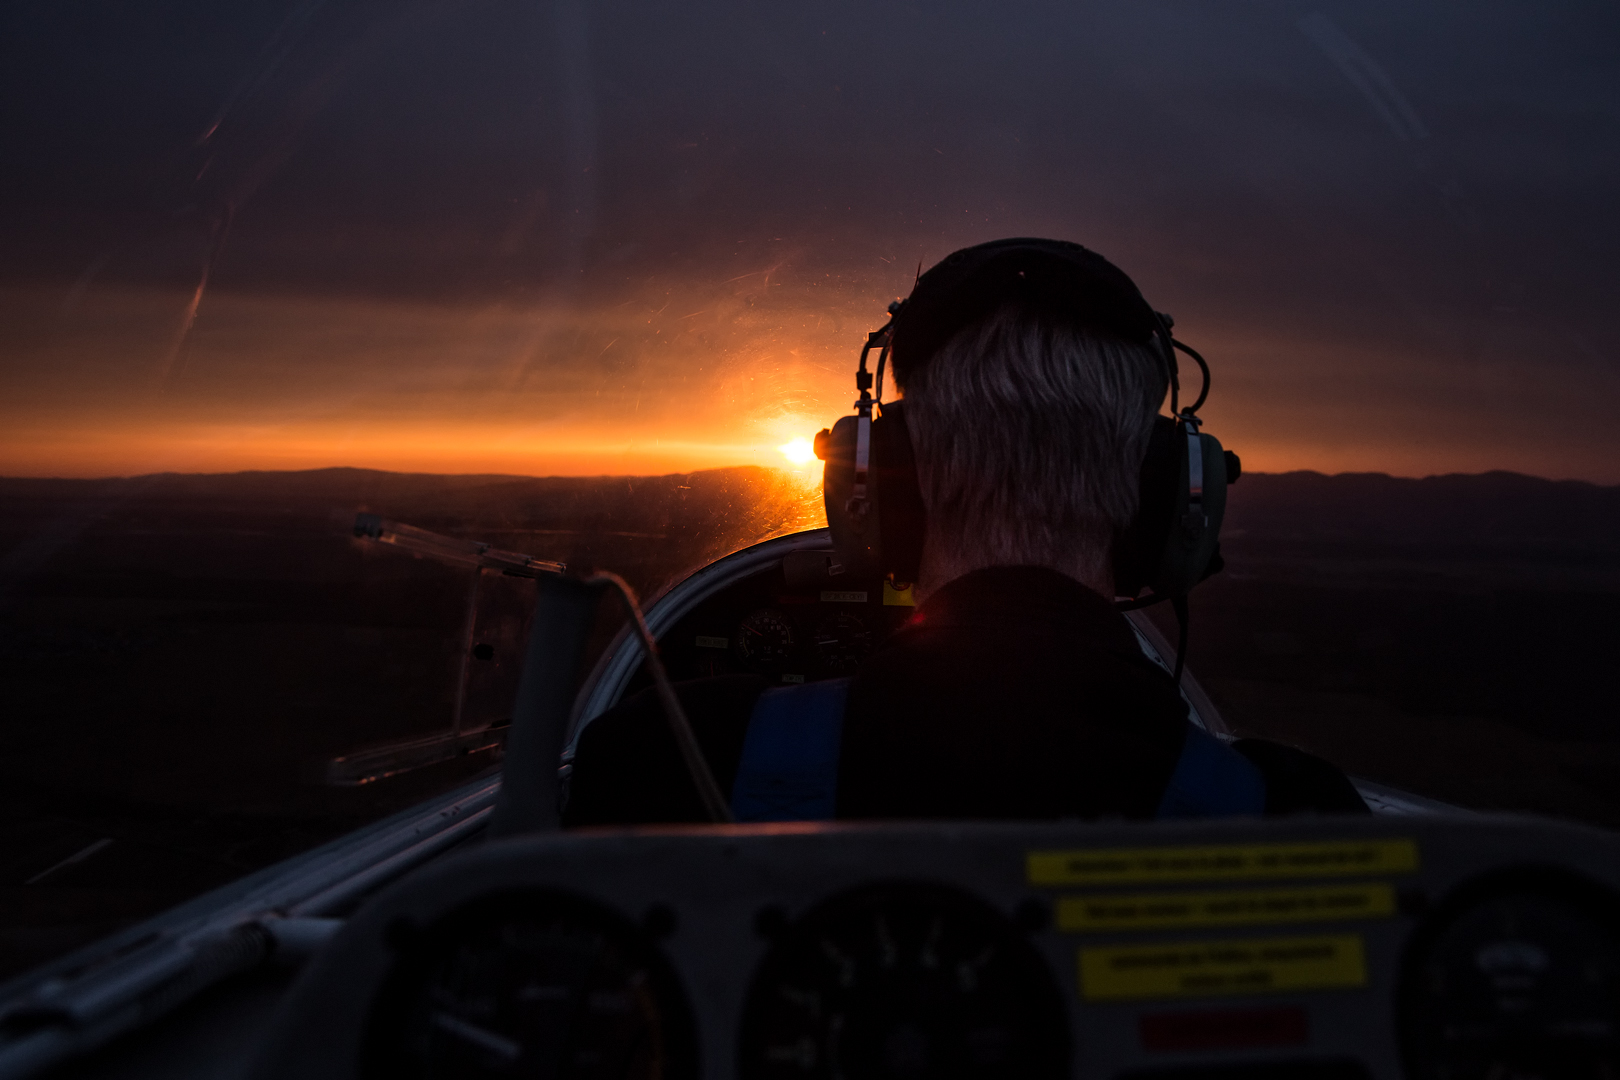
[1029,419]
[1029,436]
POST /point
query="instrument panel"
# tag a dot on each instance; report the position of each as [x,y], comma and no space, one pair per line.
[1520,976]
[1297,949]
[762,624]
[902,979]
[771,609]
[532,982]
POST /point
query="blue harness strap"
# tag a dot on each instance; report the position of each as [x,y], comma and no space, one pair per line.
[789,766]
[1212,780]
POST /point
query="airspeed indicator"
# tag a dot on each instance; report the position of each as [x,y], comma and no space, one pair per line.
[765,638]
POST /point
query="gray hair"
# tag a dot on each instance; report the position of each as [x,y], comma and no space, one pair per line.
[1029,437]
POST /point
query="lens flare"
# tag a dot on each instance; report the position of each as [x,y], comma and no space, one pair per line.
[798,451]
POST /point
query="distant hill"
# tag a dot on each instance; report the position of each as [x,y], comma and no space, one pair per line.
[1463,517]
[1488,510]
[696,511]
[1495,510]
[430,499]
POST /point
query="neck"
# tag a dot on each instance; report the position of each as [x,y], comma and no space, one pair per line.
[942,564]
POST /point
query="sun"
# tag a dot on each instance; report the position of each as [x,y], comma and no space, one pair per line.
[798,451]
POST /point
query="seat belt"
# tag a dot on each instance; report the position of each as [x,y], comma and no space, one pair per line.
[1212,780]
[789,766]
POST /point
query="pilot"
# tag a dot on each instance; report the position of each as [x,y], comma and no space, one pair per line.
[1016,689]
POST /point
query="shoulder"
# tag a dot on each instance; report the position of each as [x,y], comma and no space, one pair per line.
[627,769]
[1300,783]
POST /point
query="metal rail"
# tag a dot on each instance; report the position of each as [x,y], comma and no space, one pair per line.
[452,549]
[286,911]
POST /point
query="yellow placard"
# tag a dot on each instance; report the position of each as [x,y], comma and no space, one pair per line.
[1129,866]
[1217,968]
[1110,912]
[898,594]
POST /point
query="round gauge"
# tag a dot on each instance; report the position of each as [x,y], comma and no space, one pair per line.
[1515,983]
[765,638]
[842,641]
[903,980]
[530,984]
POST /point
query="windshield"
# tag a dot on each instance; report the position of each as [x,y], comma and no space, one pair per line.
[581,280]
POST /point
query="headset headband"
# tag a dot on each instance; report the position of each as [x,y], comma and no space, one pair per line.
[1056,277]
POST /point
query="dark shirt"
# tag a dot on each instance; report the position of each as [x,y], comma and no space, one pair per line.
[1012,692]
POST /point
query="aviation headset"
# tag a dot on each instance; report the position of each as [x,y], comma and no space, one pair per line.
[874,502]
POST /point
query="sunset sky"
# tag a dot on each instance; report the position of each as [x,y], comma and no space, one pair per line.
[632,237]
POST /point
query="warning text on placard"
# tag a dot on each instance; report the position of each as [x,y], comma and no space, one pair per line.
[1109,912]
[1222,968]
[1129,866]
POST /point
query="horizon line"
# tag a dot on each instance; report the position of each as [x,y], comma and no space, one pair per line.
[801,474]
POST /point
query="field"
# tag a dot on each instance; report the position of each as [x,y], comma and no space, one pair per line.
[1452,636]
[184,655]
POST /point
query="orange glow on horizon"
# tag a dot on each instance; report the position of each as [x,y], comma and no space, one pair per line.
[109,449]
[689,376]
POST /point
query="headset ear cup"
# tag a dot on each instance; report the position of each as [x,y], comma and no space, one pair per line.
[904,521]
[1139,551]
[1170,547]
[1207,558]
[855,537]
[1194,534]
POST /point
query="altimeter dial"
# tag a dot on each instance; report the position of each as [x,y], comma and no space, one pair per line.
[842,640]
[903,980]
[1522,981]
[530,984]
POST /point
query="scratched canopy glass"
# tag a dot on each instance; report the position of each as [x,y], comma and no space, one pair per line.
[578,281]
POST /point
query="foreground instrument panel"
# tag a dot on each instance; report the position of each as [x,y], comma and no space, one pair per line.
[1435,948]
[903,980]
[1519,978]
[529,983]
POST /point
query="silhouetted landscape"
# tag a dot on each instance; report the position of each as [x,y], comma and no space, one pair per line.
[182,654]
[1453,636]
